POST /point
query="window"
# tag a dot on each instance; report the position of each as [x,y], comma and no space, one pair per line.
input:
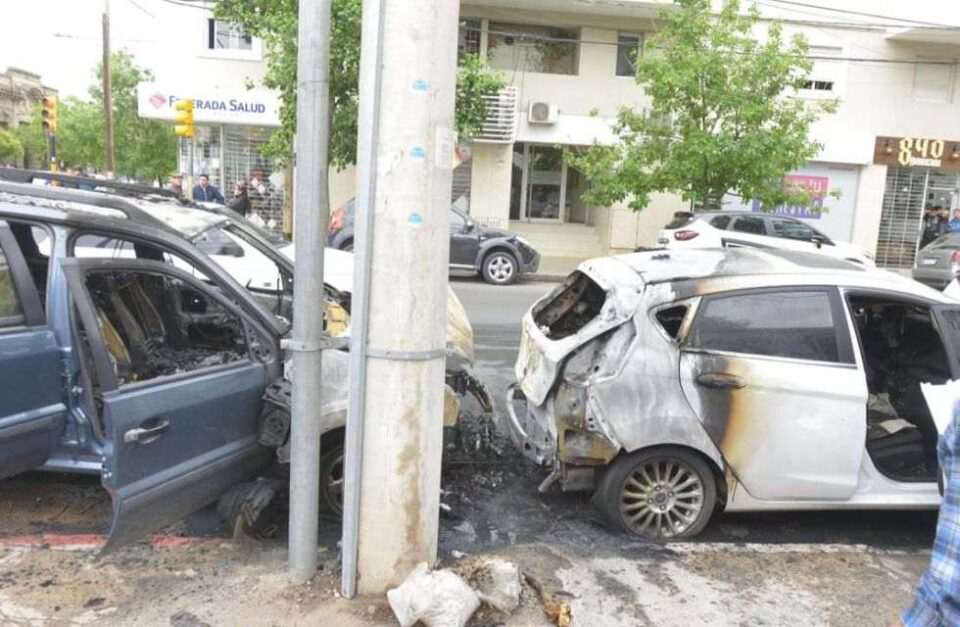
[469,40]
[671,319]
[933,82]
[224,36]
[794,324]
[35,243]
[457,222]
[791,229]
[822,81]
[522,48]
[11,312]
[629,49]
[720,222]
[750,224]
[156,325]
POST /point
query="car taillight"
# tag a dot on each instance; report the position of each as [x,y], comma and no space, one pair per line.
[684,235]
[336,220]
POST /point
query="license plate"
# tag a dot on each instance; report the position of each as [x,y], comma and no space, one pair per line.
[929,262]
[663,241]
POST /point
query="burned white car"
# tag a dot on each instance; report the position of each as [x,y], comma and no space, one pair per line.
[676,384]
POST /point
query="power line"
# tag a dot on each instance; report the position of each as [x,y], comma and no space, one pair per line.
[902,20]
[813,57]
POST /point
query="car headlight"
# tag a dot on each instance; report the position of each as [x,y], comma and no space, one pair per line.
[524,241]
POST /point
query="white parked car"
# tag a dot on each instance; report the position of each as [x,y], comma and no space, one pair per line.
[677,383]
[742,229]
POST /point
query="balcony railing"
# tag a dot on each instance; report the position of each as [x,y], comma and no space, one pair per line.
[500,125]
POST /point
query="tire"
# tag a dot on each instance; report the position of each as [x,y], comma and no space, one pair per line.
[499,268]
[331,477]
[347,246]
[639,493]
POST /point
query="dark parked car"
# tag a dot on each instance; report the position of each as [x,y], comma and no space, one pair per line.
[498,256]
[938,261]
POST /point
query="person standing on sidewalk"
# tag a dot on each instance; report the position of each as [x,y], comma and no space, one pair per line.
[205,192]
[936,602]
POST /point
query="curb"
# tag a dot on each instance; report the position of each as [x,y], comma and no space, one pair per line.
[88,541]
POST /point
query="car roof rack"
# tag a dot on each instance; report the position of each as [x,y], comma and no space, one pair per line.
[83,197]
[111,186]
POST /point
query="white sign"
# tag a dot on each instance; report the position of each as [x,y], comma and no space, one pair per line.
[249,107]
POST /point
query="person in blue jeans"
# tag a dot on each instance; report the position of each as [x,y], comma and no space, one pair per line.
[936,602]
[206,192]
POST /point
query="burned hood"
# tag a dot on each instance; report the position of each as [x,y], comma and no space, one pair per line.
[601,295]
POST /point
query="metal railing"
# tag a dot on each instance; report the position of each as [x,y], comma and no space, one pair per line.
[500,125]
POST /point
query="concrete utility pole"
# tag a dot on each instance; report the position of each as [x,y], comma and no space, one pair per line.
[107,92]
[311,210]
[405,161]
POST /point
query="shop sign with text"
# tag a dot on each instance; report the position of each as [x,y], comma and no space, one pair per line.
[917,152]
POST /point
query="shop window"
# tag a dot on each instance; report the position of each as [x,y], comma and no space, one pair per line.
[521,48]
[629,49]
[225,36]
[933,82]
[822,82]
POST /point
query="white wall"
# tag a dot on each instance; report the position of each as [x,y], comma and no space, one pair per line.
[60,40]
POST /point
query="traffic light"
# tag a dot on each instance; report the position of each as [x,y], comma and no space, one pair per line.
[183,118]
[49,114]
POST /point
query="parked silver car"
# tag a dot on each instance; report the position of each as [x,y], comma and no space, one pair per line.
[938,261]
[675,384]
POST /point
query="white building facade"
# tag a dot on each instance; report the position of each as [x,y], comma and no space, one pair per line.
[891,149]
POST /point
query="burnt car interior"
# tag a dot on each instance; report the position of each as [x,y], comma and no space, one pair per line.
[570,307]
[901,349]
[155,325]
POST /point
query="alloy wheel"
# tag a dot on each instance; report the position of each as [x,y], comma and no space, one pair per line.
[500,268]
[661,497]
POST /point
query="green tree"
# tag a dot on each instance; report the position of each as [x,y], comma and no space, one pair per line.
[33,140]
[11,150]
[722,118]
[143,149]
[275,23]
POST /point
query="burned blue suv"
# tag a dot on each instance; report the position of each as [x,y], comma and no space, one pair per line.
[148,368]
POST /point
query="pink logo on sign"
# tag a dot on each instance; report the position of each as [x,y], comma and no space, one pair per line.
[158,100]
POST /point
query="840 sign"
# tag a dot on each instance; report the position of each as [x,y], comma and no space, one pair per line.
[917,151]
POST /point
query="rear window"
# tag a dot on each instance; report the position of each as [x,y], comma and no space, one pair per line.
[720,222]
[794,324]
[569,308]
[680,219]
[750,224]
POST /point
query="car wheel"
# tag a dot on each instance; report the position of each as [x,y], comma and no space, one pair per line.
[661,493]
[499,268]
[331,478]
[347,246]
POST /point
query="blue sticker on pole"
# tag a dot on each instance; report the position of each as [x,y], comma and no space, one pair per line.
[415,219]
[420,85]
[418,153]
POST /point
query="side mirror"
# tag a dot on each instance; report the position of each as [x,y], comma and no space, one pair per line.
[819,241]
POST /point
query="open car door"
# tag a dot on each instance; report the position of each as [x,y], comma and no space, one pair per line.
[179,374]
[32,410]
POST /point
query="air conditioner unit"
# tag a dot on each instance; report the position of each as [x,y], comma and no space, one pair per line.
[542,113]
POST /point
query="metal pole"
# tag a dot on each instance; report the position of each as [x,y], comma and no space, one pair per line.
[107,93]
[371,63]
[412,162]
[311,209]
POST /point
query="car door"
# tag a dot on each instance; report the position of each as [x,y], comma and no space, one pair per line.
[464,241]
[747,231]
[772,375]
[32,409]
[179,374]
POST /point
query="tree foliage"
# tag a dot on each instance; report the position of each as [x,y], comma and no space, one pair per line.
[143,149]
[723,116]
[275,23]
[11,150]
